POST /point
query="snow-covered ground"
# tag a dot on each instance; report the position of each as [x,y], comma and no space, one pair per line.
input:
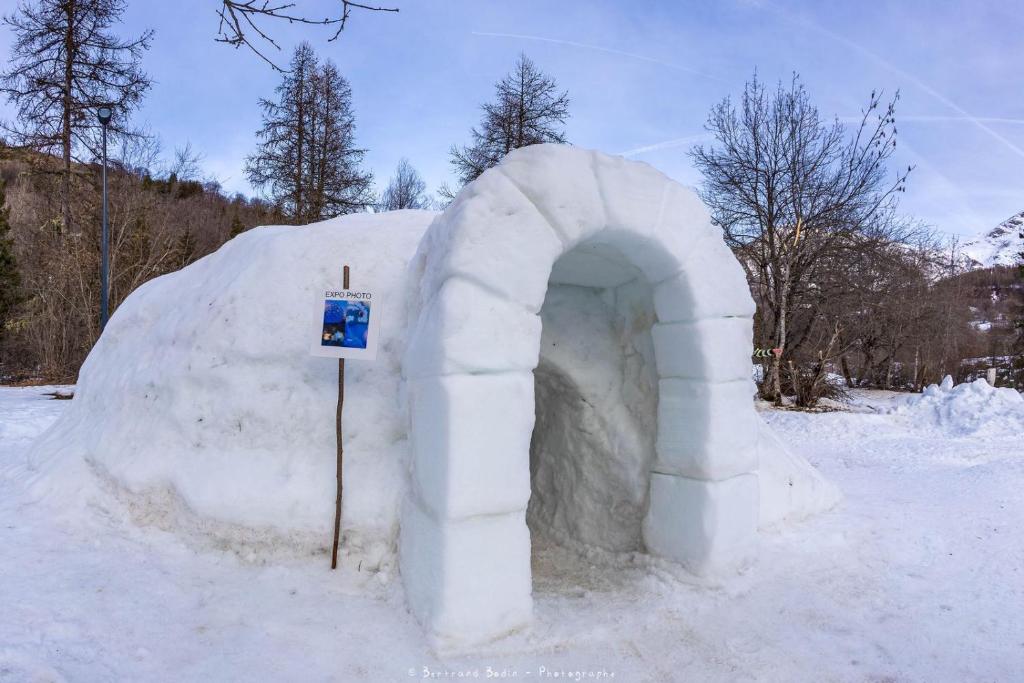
[917,575]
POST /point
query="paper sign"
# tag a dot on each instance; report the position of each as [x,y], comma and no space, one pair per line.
[345,324]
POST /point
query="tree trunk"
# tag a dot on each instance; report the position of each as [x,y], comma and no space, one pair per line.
[65,134]
[775,374]
[794,379]
[300,143]
[865,367]
[846,371]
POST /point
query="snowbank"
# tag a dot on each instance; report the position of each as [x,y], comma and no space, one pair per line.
[791,489]
[970,409]
[202,408]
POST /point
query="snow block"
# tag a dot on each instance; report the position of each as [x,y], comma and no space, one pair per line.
[595,265]
[706,430]
[633,193]
[465,328]
[710,284]
[659,234]
[666,232]
[709,527]
[492,217]
[717,350]
[466,581]
[471,443]
[657,255]
[559,180]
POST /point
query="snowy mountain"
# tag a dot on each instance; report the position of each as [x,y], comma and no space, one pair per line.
[1001,246]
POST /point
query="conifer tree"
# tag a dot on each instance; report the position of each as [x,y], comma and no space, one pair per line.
[307,162]
[185,250]
[237,227]
[527,110]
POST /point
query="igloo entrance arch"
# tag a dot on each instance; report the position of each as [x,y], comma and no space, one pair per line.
[549,218]
[595,405]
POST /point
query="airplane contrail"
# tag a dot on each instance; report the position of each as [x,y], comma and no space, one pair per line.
[983,119]
[598,48]
[667,144]
[979,123]
[914,118]
[952,191]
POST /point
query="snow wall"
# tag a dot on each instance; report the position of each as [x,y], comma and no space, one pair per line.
[565,350]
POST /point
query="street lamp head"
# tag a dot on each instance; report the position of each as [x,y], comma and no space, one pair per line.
[104,114]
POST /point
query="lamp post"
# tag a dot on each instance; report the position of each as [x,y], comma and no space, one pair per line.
[104,114]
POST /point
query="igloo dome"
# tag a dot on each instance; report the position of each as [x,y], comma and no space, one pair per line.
[565,350]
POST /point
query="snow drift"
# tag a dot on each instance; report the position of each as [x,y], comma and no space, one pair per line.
[969,409]
[571,332]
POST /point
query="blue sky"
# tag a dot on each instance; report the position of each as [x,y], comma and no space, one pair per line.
[641,76]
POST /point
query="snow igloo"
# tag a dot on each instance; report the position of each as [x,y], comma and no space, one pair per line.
[566,350]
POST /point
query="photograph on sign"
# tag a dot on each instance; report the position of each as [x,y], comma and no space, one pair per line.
[346,324]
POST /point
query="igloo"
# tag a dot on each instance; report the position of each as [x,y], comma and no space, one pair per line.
[565,350]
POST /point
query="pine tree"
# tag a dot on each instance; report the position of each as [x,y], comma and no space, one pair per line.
[10,279]
[527,110]
[339,186]
[64,64]
[185,250]
[406,190]
[279,163]
[237,227]
[307,161]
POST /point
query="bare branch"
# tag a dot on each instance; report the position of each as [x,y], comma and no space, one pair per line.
[236,17]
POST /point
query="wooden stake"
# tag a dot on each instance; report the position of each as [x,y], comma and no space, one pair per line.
[341,449]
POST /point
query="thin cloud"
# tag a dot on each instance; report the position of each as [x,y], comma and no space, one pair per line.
[598,48]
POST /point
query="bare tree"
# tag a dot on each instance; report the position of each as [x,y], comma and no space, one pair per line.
[64,64]
[157,224]
[238,17]
[10,277]
[527,110]
[307,160]
[790,191]
[187,162]
[406,190]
